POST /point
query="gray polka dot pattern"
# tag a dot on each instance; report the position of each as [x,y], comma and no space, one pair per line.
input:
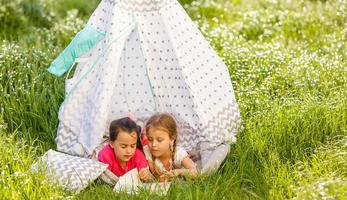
[153,59]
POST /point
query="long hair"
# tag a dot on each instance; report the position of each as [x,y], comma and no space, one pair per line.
[167,123]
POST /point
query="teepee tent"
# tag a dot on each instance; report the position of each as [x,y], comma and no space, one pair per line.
[144,57]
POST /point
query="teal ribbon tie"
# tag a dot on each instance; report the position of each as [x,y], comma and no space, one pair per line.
[81,44]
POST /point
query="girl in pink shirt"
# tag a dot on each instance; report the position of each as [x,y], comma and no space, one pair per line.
[122,153]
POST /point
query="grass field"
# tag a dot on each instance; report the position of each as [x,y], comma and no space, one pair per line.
[288,63]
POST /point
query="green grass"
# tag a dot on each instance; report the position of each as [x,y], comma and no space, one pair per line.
[287,61]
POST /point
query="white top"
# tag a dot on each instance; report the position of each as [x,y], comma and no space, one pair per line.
[180,155]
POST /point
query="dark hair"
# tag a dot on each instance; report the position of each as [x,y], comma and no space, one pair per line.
[126,125]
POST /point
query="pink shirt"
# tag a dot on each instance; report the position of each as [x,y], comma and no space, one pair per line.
[107,155]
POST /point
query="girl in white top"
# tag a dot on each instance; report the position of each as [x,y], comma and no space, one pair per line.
[166,160]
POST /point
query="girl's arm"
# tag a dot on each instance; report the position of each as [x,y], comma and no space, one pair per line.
[145,175]
[143,166]
[189,168]
[151,166]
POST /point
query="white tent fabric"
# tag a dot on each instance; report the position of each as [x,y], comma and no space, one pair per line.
[152,59]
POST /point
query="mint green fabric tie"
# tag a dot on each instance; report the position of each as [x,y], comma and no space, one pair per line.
[81,44]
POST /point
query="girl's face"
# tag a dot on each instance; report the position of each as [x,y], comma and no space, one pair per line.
[124,146]
[159,142]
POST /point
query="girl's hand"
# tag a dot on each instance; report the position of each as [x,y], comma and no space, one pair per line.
[170,174]
[178,172]
[167,176]
[145,175]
